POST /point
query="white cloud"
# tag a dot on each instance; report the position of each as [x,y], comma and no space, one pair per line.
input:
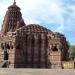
[69,13]
[60,28]
[37,11]
[49,11]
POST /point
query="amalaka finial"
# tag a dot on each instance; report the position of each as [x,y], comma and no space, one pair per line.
[14,2]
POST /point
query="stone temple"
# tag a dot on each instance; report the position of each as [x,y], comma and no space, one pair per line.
[30,46]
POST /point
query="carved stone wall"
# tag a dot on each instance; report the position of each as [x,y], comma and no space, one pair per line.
[31,46]
[7,45]
[58,49]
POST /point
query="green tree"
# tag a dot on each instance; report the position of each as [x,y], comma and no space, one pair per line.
[72,51]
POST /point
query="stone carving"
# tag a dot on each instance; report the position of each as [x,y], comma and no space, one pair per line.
[30,45]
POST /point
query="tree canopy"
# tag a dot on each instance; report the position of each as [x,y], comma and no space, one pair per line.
[72,51]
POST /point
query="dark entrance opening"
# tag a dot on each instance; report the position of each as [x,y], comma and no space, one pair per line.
[5,55]
[55,48]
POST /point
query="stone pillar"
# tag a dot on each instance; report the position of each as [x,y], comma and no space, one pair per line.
[39,51]
[25,50]
[18,52]
[29,47]
[36,51]
[32,50]
[12,57]
[43,51]
[1,54]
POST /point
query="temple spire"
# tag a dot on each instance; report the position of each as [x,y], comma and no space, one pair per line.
[10,24]
[14,2]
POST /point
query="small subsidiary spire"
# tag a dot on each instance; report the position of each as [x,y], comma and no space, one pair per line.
[14,2]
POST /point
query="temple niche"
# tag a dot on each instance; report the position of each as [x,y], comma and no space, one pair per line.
[30,46]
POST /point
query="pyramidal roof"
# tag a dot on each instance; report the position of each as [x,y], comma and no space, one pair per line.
[13,19]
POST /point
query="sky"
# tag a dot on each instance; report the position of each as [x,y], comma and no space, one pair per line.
[56,15]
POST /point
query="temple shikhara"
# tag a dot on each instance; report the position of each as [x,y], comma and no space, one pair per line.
[30,46]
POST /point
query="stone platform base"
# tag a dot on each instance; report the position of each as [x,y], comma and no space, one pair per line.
[37,72]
